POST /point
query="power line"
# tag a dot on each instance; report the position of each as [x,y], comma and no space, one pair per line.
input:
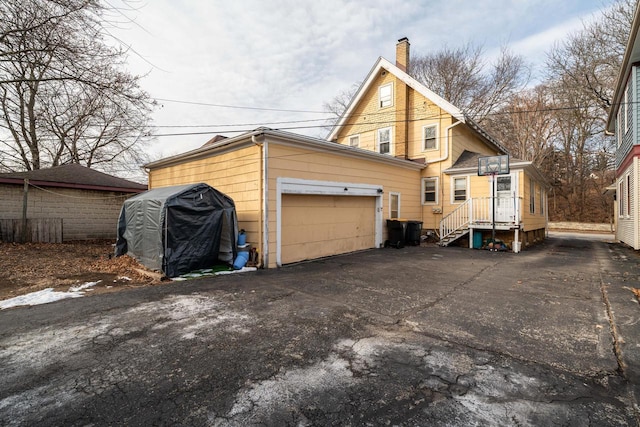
[240,107]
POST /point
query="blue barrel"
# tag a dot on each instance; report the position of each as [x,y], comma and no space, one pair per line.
[241,260]
[242,238]
[477,240]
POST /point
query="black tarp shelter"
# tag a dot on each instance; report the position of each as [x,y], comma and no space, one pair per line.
[178,229]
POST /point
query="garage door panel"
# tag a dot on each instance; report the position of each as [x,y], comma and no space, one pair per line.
[317,226]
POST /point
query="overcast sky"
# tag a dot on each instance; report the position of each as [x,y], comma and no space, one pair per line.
[297,54]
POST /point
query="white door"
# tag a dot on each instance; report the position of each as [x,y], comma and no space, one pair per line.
[505,198]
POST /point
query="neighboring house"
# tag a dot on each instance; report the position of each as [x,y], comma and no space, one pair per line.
[623,121]
[401,152]
[393,114]
[75,202]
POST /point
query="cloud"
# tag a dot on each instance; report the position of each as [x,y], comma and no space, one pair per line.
[297,55]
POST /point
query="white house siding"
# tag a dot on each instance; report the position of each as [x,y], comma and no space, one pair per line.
[627,229]
[86,214]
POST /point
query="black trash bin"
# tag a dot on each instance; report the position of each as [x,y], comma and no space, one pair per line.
[396,231]
[414,230]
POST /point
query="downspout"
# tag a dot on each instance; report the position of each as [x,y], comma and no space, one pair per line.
[443,158]
[446,143]
[262,190]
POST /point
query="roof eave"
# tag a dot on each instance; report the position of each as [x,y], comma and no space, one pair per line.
[35,182]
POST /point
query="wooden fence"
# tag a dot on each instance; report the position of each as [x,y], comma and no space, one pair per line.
[44,230]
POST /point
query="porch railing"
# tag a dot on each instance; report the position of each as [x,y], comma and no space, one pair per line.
[478,211]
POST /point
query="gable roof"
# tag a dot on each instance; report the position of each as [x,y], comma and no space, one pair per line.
[631,57]
[445,105]
[73,176]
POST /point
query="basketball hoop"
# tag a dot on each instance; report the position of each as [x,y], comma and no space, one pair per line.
[491,166]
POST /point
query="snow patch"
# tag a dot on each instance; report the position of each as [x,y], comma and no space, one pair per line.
[290,388]
[46,296]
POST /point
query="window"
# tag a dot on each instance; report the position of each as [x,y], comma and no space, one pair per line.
[620,196]
[619,136]
[430,137]
[532,196]
[385,96]
[628,195]
[542,203]
[430,191]
[459,189]
[394,205]
[627,110]
[384,140]
[354,141]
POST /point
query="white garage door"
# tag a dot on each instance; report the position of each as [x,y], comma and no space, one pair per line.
[317,226]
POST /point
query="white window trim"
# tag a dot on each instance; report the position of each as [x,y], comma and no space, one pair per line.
[424,129]
[621,197]
[390,128]
[627,124]
[354,136]
[620,136]
[380,98]
[437,180]
[391,194]
[627,195]
[532,196]
[453,189]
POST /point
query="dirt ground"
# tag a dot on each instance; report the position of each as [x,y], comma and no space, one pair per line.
[31,267]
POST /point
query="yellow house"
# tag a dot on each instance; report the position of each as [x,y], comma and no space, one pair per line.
[395,115]
[399,151]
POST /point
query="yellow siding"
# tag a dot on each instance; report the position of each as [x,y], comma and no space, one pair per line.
[367,117]
[537,219]
[236,174]
[292,162]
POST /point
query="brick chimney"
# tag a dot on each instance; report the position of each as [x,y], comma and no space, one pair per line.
[402,54]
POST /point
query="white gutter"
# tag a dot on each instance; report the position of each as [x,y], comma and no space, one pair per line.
[446,143]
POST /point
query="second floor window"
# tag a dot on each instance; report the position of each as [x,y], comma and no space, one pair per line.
[385,96]
[384,140]
[430,138]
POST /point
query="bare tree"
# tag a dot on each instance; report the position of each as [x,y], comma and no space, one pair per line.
[463,77]
[339,104]
[64,94]
[581,72]
[526,125]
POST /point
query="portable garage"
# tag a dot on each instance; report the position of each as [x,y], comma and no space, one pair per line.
[178,229]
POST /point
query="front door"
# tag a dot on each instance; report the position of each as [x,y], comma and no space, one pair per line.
[505,198]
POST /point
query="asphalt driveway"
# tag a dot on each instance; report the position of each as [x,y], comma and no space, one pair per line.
[416,336]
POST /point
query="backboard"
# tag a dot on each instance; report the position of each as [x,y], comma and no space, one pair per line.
[493,165]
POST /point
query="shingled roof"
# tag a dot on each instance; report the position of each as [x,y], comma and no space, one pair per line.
[73,176]
[469,159]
